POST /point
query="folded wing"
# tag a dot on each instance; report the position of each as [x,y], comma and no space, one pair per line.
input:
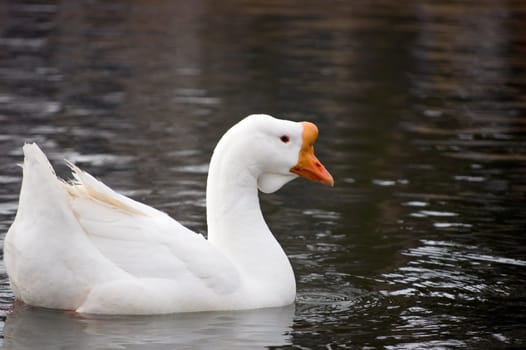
[144,241]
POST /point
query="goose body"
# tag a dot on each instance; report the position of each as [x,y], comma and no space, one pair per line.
[81,246]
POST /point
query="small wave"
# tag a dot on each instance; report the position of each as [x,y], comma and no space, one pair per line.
[328,305]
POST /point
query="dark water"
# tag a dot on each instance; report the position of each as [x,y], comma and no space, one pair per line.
[422,112]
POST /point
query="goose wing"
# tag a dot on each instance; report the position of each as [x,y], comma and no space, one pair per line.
[144,241]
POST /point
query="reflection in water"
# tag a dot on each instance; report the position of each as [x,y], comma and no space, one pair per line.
[421,109]
[34,328]
[434,271]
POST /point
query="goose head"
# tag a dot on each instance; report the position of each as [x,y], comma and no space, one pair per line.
[276,151]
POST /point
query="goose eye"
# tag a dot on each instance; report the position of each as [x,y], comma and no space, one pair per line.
[284,139]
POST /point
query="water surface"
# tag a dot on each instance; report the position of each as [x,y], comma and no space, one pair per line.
[421,108]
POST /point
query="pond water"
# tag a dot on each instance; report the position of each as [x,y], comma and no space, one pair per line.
[421,107]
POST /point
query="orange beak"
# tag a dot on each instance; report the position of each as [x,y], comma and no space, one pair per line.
[308,165]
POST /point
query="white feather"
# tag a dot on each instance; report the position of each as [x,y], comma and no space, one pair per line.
[82,246]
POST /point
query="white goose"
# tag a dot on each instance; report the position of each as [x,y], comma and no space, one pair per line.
[81,246]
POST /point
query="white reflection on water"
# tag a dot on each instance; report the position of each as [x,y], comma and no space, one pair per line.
[34,328]
[96,159]
[436,271]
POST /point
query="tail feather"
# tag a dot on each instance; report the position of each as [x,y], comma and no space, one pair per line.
[39,182]
[44,235]
[34,157]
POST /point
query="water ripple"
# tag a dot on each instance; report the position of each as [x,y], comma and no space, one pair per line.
[435,272]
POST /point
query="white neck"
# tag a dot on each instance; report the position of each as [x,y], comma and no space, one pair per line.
[236,225]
